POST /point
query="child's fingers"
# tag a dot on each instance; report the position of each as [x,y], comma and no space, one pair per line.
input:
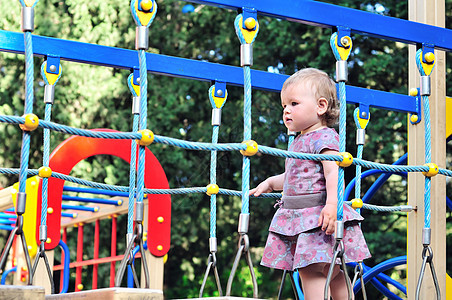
[331,227]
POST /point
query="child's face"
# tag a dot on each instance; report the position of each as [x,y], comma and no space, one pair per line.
[300,108]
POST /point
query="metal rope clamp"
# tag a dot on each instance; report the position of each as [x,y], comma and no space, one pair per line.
[42,254]
[28,16]
[243,245]
[212,264]
[338,253]
[359,272]
[427,257]
[18,230]
[128,259]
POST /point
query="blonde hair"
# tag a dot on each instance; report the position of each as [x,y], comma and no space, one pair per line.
[323,87]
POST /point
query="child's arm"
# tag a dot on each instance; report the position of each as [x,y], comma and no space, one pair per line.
[274,183]
[328,215]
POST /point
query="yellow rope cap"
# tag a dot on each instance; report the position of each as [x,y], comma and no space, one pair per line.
[212,189]
[250,23]
[146,5]
[147,137]
[429,57]
[414,118]
[31,122]
[413,92]
[44,172]
[357,203]
[251,148]
[347,159]
[432,170]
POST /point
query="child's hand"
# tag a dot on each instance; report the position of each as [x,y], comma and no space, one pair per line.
[327,219]
[263,187]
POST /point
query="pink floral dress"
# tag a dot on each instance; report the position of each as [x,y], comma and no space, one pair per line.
[294,240]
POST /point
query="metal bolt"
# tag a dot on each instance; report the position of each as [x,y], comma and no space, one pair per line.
[364,114]
[345,41]
[138,80]
[53,68]
[220,93]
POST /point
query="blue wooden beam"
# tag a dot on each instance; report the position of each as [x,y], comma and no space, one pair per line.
[330,16]
[185,68]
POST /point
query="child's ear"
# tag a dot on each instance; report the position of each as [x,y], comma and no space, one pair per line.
[322,106]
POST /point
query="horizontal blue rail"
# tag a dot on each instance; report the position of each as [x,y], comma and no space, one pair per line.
[80,207]
[92,200]
[330,15]
[94,191]
[185,68]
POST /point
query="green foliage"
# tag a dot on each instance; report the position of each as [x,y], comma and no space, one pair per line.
[96,97]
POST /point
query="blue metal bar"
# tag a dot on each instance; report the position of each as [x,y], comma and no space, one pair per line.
[368,173]
[65,272]
[6,274]
[92,200]
[382,179]
[381,267]
[330,16]
[7,222]
[80,207]
[69,215]
[449,203]
[7,216]
[186,68]
[4,227]
[94,191]
[378,285]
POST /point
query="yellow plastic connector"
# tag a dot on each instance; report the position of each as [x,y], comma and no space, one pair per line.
[347,159]
[50,210]
[413,92]
[250,23]
[146,5]
[251,148]
[80,286]
[357,203]
[159,247]
[429,57]
[160,219]
[49,240]
[44,172]
[31,122]
[414,118]
[147,137]
[432,170]
[212,189]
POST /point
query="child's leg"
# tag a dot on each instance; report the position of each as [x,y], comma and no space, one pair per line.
[338,286]
[313,278]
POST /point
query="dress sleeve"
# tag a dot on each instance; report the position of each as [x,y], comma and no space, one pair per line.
[326,140]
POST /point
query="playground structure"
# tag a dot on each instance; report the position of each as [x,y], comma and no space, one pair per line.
[429,39]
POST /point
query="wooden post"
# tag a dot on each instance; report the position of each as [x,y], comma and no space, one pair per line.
[430,12]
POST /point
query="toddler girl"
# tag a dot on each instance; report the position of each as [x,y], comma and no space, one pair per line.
[300,234]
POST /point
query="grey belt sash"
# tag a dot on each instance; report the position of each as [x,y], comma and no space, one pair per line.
[304,201]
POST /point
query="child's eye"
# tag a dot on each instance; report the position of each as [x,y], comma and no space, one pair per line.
[294,103]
